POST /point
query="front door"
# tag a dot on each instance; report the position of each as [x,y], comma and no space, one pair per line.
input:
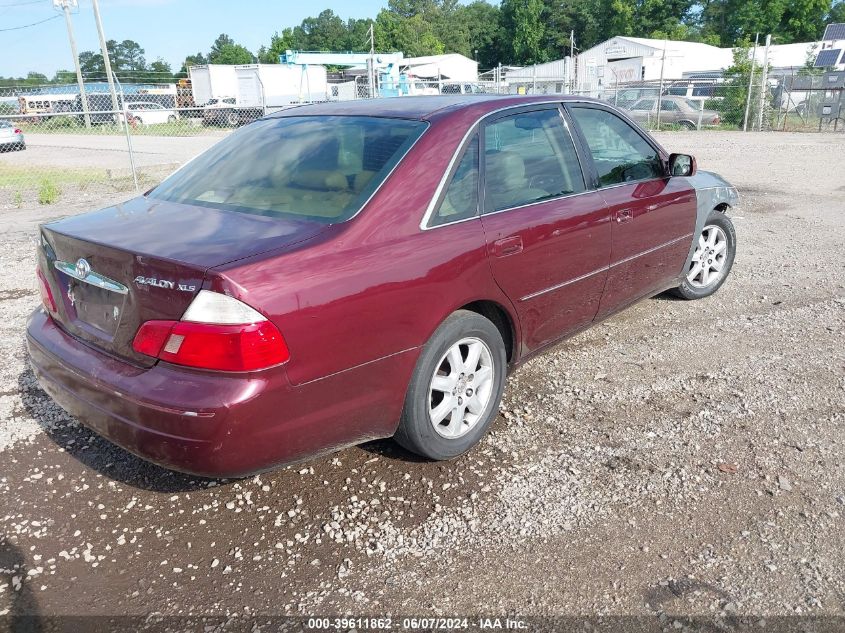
[653,215]
[548,234]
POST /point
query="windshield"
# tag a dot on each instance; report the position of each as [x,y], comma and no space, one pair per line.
[320,168]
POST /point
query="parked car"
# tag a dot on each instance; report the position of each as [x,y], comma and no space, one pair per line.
[11,137]
[465,88]
[677,110]
[226,112]
[340,272]
[148,113]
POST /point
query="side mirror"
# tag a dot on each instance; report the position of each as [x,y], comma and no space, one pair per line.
[681,165]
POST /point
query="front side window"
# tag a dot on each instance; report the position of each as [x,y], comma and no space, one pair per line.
[529,157]
[460,201]
[321,168]
[645,104]
[619,153]
[669,106]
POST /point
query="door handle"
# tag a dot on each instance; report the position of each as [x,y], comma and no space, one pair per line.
[507,246]
[624,215]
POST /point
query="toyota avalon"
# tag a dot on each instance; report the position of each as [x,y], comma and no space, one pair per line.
[340,272]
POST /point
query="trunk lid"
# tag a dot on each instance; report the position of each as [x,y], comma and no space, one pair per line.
[111,270]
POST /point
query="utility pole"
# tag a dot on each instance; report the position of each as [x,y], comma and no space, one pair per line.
[764,81]
[65,5]
[660,92]
[104,50]
[750,84]
[372,69]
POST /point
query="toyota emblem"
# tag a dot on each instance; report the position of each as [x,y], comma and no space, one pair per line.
[83,268]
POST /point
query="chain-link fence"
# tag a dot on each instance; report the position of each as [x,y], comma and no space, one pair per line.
[56,144]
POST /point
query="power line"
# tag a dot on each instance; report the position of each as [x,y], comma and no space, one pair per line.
[26,26]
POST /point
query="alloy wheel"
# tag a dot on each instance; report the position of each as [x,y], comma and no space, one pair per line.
[708,260]
[461,388]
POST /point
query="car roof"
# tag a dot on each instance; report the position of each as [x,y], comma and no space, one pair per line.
[422,107]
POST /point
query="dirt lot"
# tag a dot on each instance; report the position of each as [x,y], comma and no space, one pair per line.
[681,458]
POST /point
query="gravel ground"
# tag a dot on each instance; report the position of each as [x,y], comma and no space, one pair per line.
[682,458]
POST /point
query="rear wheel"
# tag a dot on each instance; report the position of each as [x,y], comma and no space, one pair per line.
[712,259]
[456,388]
[232,119]
[171,118]
[687,125]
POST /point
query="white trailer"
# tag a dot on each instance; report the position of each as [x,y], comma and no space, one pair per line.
[213,81]
[277,85]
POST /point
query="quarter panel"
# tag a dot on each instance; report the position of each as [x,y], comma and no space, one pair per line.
[341,303]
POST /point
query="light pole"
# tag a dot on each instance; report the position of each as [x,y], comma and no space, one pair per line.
[65,5]
[660,90]
[104,50]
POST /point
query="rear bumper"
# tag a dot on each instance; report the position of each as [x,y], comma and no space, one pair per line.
[209,423]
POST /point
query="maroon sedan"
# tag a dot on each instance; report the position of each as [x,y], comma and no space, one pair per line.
[342,272]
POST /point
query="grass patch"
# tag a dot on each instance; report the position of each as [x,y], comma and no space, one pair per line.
[22,177]
[71,125]
[48,192]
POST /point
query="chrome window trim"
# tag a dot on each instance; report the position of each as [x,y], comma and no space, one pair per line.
[604,268]
[539,202]
[95,279]
[459,150]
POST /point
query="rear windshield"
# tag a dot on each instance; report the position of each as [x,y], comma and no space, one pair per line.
[320,168]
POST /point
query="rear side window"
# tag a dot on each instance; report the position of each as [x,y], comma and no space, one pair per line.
[619,153]
[320,168]
[460,201]
[529,157]
[645,104]
[669,106]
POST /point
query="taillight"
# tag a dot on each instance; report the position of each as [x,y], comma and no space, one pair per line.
[46,293]
[716,120]
[216,332]
[17,131]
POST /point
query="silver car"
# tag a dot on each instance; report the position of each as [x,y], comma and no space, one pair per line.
[673,110]
[11,137]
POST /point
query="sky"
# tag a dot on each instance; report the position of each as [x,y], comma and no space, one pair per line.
[169,29]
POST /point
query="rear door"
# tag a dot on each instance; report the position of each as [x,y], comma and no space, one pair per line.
[547,232]
[653,215]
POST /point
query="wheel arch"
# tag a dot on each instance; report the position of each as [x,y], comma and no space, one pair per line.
[496,313]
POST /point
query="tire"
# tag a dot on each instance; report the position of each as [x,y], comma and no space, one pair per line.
[171,118]
[700,282]
[458,432]
[687,125]
[21,147]
[232,119]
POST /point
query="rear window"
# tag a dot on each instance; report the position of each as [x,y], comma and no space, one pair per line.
[320,168]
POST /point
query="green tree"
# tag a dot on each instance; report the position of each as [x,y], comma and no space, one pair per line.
[192,60]
[837,12]
[803,20]
[224,50]
[484,31]
[326,32]
[523,19]
[414,36]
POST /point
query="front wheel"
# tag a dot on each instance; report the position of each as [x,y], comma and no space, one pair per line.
[712,258]
[171,118]
[456,388]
